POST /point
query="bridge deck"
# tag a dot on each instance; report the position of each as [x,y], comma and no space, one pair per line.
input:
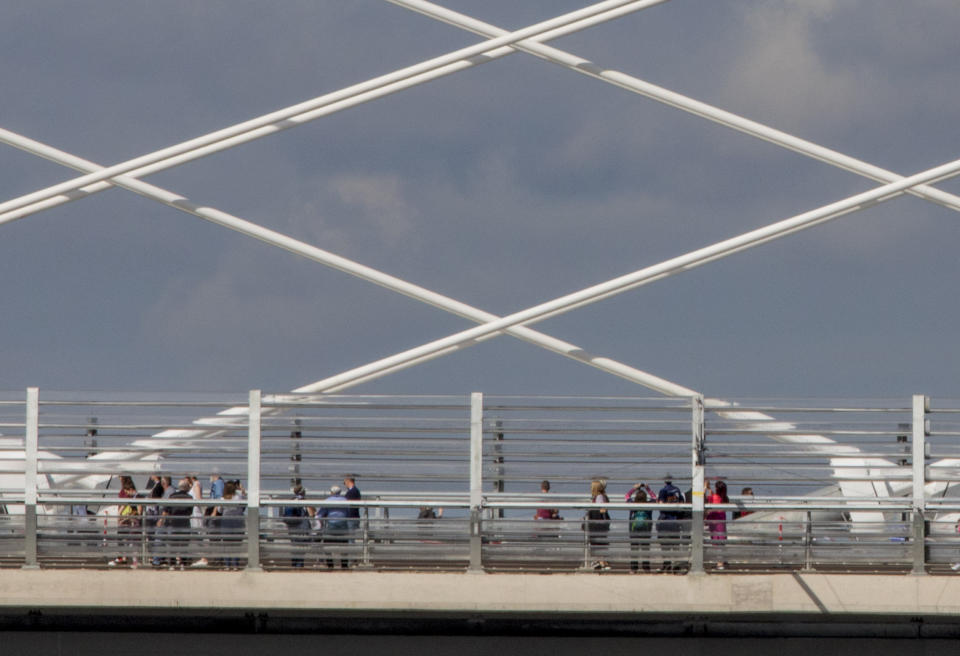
[876,604]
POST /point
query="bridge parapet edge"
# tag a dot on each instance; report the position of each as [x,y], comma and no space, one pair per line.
[386,593]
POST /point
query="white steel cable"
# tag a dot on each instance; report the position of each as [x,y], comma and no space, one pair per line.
[638,278]
[679,101]
[348,266]
[295,114]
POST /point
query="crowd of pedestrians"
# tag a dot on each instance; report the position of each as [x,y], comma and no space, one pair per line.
[149,524]
[672,525]
[162,525]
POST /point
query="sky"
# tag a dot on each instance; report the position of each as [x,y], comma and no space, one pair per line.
[502,186]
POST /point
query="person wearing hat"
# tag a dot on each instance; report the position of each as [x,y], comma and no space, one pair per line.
[668,490]
[668,524]
[334,526]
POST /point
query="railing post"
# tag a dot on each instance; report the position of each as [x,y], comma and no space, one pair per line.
[498,483]
[697,464]
[253,482]
[476,480]
[921,406]
[365,536]
[586,546]
[31,438]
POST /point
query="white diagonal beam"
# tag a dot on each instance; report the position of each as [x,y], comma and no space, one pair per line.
[633,280]
[325,105]
[817,443]
[695,107]
[340,263]
[294,115]
[754,416]
[208,427]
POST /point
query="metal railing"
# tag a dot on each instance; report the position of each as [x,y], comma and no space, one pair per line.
[841,486]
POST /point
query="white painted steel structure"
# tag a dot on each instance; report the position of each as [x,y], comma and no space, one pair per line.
[498,44]
[481,458]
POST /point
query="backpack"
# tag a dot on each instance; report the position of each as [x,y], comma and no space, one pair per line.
[640,521]
[293,516]
[292,511]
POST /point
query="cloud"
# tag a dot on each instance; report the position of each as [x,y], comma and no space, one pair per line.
[782,72]
[352,213]
[195,314]
[377,202]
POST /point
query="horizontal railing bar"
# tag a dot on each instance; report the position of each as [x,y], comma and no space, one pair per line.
[143,404]
[760,430]
[781,410]
[585,408]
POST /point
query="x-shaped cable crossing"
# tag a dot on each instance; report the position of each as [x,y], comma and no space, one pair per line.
[499,43]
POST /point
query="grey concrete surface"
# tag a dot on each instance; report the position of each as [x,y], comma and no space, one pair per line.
[382,592]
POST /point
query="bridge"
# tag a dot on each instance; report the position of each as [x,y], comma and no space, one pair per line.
[802,551]
[851,528]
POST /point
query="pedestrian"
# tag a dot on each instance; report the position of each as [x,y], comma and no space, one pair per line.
[668,523]
[717,519]
[297,520]
[335,527]
[745,492]
[151,520]
[641,526]
[175,522]
[546,513]
[352,493]
[231,524]
[128,523]
[598,525]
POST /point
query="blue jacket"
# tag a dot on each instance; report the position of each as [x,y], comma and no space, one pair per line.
[669,490]
[335,519]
